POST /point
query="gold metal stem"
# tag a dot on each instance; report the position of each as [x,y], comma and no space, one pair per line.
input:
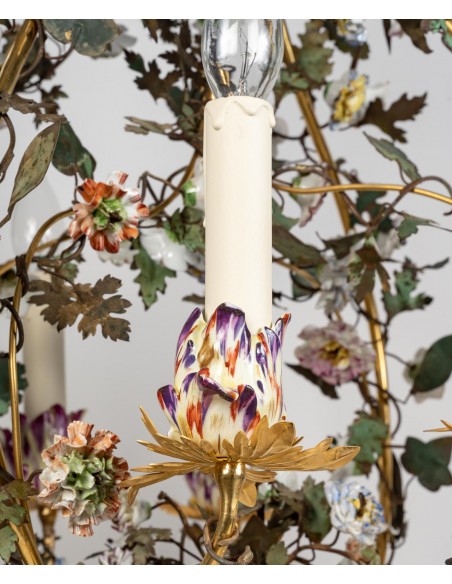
[305,102]
[10,264]
[32,555]
[230,478]
[48,516]
[17,56]
[358,187]
[385,461]
[2,458]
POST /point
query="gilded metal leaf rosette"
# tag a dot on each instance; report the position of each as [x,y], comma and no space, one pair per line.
[226,406]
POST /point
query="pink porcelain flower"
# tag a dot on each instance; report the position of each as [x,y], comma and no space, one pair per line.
[110,213]
[37,434]
[82,477]
[226,379]
[335,353]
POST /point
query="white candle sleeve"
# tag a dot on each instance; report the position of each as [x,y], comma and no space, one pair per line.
[237,166]
[44,364]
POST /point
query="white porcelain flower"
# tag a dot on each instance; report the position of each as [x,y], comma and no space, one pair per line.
[335,287]
[308,203]
[352,30]
[132,515]
[387,243]
[161,248]
[291,479]
[354,510]
[194,188]
[226,379]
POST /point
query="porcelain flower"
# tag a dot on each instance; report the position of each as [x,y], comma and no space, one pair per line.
[110,213]
[82,477]
[131,516]
[354,510]
[309,204]
[349,98]
[193,189]
[352,30]
[162,249]
[37,435]
[387,242]
[335,353]
[335,287]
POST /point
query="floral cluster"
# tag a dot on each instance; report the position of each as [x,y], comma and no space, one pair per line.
[82,477]
[109,214]
[335,352]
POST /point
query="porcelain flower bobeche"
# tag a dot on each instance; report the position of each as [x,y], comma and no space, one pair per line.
[226,404]
[226,379]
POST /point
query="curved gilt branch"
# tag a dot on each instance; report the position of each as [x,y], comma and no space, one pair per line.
[359,187]
[385,462]
[305,103]
[27,540]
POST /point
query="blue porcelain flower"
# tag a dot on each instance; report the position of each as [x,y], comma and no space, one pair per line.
[354,510]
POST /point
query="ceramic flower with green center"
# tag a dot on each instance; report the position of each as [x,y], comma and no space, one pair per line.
[82,477]
[335,353]
[110,213]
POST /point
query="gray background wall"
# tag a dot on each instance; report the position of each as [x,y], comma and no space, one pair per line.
[112,379]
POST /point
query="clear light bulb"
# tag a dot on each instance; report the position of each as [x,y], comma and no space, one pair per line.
[242,57]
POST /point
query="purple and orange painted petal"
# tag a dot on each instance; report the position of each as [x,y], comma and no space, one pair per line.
[168,401]
[231,327]
[188,327]
[206,383]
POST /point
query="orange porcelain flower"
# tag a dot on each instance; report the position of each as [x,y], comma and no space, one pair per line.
[110,213]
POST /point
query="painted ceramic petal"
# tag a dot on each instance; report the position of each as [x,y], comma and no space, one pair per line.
[226,379]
